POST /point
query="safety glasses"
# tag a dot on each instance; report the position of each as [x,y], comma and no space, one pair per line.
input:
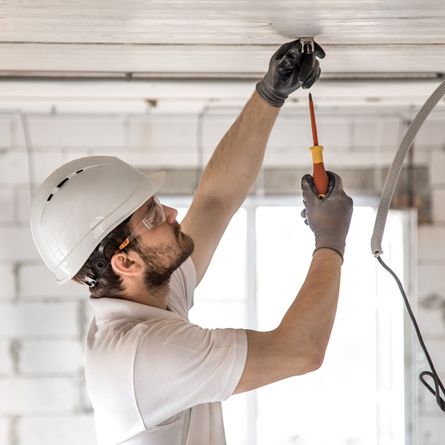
[154,217]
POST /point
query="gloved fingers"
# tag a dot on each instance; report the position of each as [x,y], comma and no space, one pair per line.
[309,63]
[303,214]
[332,182]
[294,52]
[319,51]
[308,187]
[290,61]
[335,184]
[283,49]
[312,78]
[296,44]
[287,65]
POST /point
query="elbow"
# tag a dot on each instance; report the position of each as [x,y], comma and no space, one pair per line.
[315,362]
[302,355]
[316,357]
[305,363]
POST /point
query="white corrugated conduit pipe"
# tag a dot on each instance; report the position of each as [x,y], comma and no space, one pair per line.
[379,228]
[393,174]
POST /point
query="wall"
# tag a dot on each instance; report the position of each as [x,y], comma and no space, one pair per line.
[42,325]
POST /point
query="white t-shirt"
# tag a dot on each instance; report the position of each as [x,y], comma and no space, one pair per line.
[153,377]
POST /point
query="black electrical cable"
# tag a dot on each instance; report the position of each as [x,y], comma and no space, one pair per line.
[438,385]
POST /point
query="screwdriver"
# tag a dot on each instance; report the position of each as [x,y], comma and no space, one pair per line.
[320,176]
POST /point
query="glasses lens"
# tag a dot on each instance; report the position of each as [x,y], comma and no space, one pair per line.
[155,215]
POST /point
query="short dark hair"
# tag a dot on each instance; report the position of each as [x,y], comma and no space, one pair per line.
[109,283]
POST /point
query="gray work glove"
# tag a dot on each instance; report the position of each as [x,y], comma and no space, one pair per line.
[328,218]
[289,69]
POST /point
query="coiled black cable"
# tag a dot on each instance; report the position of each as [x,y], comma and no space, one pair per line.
[438,385]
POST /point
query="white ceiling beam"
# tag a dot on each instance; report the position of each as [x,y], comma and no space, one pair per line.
[202,89]
[210,60]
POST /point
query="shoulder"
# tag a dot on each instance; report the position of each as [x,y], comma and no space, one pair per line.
[184,278]
[182,287]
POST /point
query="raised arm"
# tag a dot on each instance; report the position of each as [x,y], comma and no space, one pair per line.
[228,178]
[298,345]
[236,161]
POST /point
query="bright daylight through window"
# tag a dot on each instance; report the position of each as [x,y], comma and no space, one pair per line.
[358,394]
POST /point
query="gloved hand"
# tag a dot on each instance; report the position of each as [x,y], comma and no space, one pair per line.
[289,69]
[328,218]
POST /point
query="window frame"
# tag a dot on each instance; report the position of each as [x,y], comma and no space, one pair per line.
[409,280]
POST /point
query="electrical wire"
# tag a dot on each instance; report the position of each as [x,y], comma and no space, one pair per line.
[28,145]
[438,385]
[200,145]
[379,228]
[29,151]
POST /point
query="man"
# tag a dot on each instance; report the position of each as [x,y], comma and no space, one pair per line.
[153,377]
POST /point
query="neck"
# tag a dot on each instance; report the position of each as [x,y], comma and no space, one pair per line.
[156,297]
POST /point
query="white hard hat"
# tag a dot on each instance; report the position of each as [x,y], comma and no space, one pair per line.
[80,203]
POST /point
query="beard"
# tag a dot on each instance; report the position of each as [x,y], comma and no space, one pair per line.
[161,262]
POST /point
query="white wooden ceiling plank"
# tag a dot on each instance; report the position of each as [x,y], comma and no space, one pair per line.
[410,31]
[200,60]
[197,90]
[229,21]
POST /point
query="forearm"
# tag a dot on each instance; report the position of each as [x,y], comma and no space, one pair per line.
[234,166]
[307,325]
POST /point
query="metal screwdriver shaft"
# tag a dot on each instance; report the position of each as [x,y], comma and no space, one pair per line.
[320,176]
[313,121]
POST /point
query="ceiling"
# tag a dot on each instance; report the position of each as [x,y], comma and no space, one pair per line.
[215,38]
[73,50]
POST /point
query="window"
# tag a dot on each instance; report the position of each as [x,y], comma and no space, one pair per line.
[357,397]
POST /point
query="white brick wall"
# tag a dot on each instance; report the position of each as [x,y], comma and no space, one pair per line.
[42,324]
[31,273]
[5,432]
[431,292]
[431,308]
[22,197]
[50,357]
[16,244]
[74,131]
[5,132]
[438,168]
[431,133]
[38,319]
[431,243]
[155,131]
[432,430]
[14,166]
[7,205]
[438,204]
[66,430]
[23,396]
[436,351]
[6,363]
[7,281]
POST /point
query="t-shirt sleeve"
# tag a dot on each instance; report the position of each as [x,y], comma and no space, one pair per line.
[179,365]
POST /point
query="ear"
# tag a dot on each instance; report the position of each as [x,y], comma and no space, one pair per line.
[127,264]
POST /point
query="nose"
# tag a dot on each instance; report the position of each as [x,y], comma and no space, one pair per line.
[170,214]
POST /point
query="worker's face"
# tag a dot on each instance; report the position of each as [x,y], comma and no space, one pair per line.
[161,244]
